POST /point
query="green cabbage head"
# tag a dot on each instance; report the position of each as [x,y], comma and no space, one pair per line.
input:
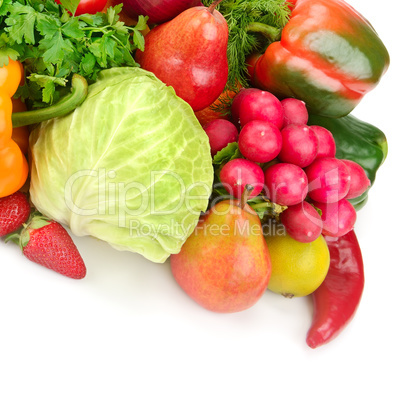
[130,166]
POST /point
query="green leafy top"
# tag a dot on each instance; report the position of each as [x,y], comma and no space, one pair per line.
[53,44]
[231,151]
[70,5]
[253,25]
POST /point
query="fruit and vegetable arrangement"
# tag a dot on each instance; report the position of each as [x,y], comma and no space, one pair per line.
[215,135]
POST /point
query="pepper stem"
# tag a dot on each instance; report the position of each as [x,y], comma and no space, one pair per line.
[270,32]
[79,91]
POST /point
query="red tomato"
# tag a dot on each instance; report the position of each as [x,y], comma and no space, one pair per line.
[89,6]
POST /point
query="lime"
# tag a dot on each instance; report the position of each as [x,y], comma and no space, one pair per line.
[297,268]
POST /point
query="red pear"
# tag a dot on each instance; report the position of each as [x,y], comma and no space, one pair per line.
[225,264]
[189,54]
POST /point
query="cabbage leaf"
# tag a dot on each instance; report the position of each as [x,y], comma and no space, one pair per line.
[130,166]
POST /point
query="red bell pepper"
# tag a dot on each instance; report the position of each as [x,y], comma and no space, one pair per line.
[328,56]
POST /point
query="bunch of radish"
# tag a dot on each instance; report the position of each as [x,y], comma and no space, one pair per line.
[290,163]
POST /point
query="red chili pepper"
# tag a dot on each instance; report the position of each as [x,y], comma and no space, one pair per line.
[337,298]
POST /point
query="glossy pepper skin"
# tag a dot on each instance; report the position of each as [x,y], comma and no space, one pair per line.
[329,56]
[358,141]
[336,300]
[20,134]
[89,6]
[13,164]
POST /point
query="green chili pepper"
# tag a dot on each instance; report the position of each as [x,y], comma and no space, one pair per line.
[358,141]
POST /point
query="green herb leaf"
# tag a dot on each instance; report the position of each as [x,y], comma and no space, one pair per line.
[47,25]
[72,29]
[4,6]
[47,84]
[70,5]
[21,24]
[87,64]
[231,151]
[142,23]
[48,91]
[112,14]
[94,20]
[50,41]
[5,54]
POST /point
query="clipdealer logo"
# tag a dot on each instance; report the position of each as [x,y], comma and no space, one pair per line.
[125,199]
[129,201]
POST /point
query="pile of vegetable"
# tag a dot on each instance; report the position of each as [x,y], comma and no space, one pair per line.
[118,168]
[218,134]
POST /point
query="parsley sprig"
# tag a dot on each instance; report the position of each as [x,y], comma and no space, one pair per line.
[53,45]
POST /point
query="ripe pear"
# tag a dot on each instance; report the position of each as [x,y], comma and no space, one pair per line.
[189,54]
[225,264]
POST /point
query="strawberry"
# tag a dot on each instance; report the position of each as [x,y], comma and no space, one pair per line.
[47,243]
[14,211]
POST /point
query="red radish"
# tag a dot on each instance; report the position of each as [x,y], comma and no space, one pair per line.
[338,218]
[286,184]
[260,105]
[359,182]
[260,141]
[237,173]
[326,142]
[47,243]
[158,11]
[14,212]
[220,132]
[236,104]
[299,145]
[294,111]
[329,179]
[302,222]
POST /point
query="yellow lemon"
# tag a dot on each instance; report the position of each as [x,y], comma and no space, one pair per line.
[297,268]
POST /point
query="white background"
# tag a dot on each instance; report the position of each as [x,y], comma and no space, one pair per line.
[128,332]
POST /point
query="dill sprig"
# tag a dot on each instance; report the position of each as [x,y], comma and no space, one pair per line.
[244,18]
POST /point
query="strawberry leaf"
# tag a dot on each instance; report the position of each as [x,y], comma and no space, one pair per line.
[37,221]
